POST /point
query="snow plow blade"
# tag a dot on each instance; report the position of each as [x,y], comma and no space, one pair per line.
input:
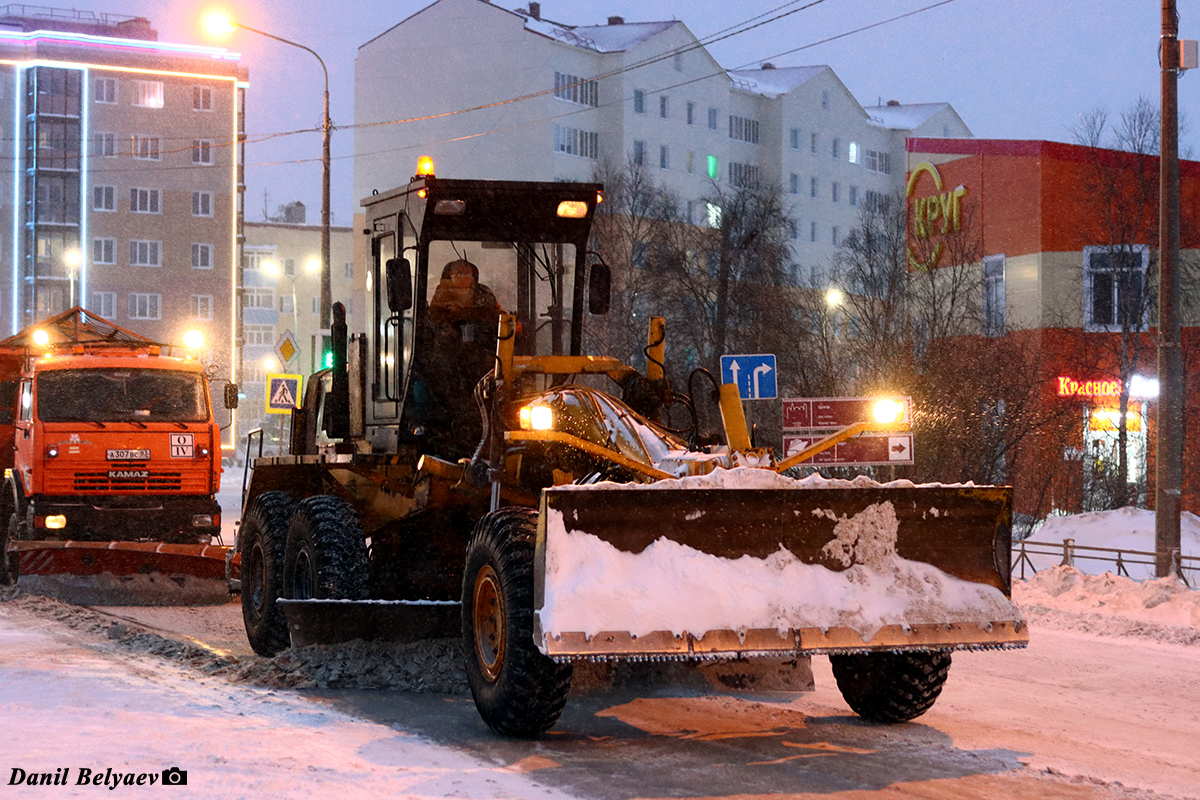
[123,573]
[707,573]
[313,622]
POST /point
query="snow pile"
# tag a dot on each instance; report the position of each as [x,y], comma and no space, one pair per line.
[1125,529]
[592,586]
[1064,597]
[758,478]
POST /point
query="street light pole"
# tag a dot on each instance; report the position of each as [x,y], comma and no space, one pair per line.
[326,129]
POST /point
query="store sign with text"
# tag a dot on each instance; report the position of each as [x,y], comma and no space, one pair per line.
[934,211]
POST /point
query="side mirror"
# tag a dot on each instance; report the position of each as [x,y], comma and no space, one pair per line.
[398,273]
[231,396]
[599,286]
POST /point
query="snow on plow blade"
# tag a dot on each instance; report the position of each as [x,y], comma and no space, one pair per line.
[697,573]
[136,573]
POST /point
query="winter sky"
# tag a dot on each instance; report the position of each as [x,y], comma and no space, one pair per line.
[1022,69]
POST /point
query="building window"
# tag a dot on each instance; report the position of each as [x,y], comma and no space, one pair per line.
[574,142]
[836,148]
[852,197]
[835,191]
[638,256]
[348,270]
[825,99]
[289,267]
[794,138]
[639,151]
[712,214]
[691,113]
[812,187]
[316,305]
[259,334]
[836,236]
[678,61]
[1114,288]
[287,304]
[878,161]
[794,184]
[714,168]
[743,129]
[147,148]
[202,256]
[200,306]
[874,201]
[202,98]
[574,89]
[253,259]
[639,101]
[145,306]
[257,297]
[712,119]
[144,201]
[105,90]
[104,145]
[743,175]
[691,159]
[104,251]
[202,204]
[104,304]
[812,143]
[145,253]
[664,157]
[852,152]
[202,151]
[148,94]
[793,229]
[994,322]
[104,198]
[812,231]
[663,106]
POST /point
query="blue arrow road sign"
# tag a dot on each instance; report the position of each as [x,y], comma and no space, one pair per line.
[753,374]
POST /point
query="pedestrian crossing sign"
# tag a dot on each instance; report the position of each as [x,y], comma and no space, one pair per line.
[283,393]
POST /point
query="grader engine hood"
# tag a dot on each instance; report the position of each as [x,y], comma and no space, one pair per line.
[696,568]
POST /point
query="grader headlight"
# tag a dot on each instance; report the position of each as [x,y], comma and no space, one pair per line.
[887,410]
[537,418]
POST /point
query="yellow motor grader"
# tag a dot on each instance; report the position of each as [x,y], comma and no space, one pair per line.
[464,463]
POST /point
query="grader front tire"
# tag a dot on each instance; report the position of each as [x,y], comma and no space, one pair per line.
[518,690]
[891,687]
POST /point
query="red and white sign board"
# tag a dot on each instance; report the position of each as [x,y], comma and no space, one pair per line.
[831,413]
[870,449]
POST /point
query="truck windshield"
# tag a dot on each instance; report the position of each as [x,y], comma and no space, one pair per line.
[121,395]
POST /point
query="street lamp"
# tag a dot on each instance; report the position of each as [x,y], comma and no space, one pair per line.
[72,259]
[220,24]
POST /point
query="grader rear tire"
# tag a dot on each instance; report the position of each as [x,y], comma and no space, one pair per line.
[263,533]
[518,690]
[326,553]
[891,687]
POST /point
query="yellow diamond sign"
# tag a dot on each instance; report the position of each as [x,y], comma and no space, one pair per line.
[286,347]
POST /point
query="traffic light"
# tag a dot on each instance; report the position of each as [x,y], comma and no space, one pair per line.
[325,349]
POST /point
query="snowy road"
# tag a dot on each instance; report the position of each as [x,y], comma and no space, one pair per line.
[1110,717]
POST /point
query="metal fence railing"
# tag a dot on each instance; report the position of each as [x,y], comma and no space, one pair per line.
[1068,553]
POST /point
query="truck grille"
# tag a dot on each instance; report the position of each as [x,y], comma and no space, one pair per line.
[153,482]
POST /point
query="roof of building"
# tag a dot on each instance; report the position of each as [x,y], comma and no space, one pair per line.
[600,38]
[775,81]
[903,117]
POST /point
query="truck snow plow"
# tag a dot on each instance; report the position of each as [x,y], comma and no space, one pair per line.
[468,419]
[114,464]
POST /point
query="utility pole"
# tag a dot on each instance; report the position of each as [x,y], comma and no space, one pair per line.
[1168,441]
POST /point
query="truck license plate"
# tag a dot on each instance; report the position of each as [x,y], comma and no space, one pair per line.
[128,455]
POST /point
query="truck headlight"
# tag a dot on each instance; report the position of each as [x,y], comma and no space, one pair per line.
[204,520]
[537,418]
[56,521]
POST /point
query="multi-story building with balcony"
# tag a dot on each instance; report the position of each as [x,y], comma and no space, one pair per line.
[557,102]
[125,183]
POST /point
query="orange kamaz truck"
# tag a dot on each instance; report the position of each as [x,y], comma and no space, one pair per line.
[111,457]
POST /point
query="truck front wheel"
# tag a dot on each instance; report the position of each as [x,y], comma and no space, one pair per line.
[891,687]
[326,556]
[263,533]
[518,690]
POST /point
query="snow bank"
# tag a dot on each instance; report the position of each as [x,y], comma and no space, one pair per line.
[592,586]
[757,478]
[1165,603]
[1124,529]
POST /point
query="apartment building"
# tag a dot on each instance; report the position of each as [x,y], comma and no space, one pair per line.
[557,102]
[281,295]
[125,187]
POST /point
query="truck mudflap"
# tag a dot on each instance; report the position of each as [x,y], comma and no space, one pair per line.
[660,572]
[141,573]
